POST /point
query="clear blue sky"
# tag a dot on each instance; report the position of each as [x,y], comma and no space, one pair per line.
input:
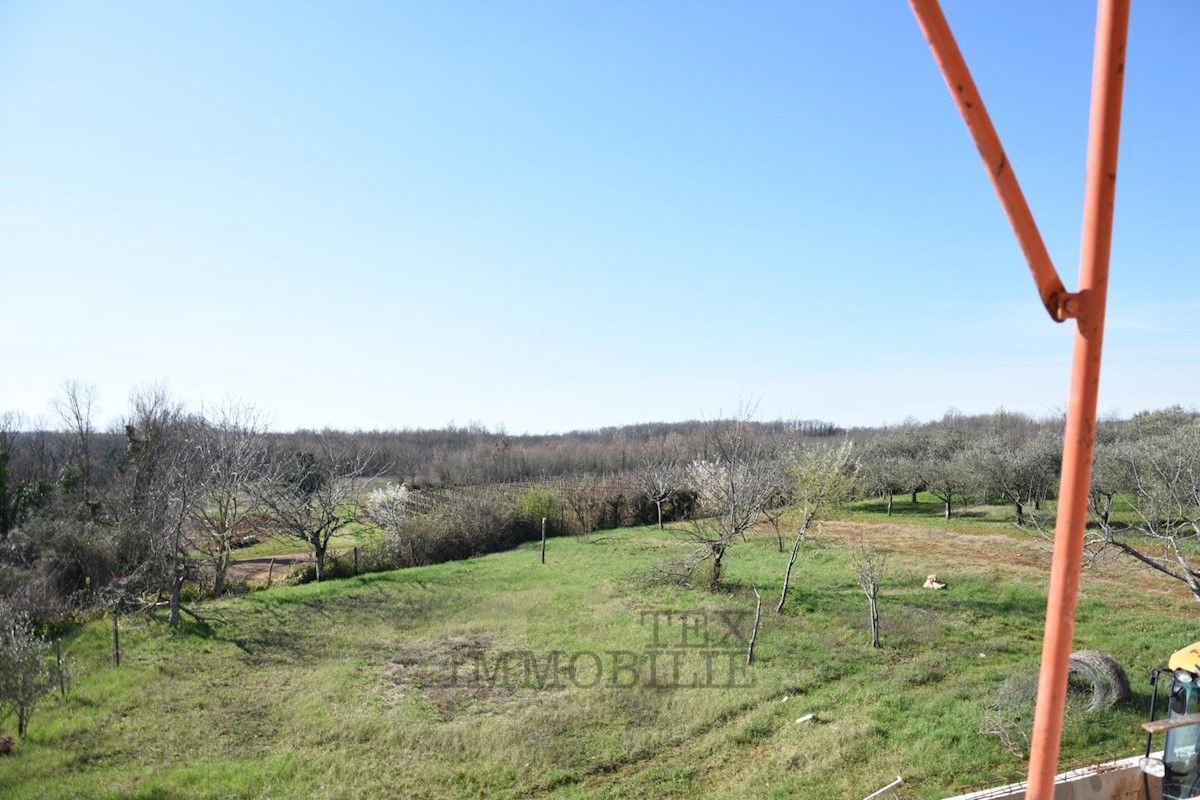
[553,215]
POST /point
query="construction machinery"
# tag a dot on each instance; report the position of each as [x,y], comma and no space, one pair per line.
[1177,765]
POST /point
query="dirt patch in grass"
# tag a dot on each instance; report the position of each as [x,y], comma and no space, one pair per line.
[1016,554]
[257,570]
[466,676]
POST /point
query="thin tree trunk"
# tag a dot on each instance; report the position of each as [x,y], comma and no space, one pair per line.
[58,660]
[757,621]
[660,522]
[176,588]
[116,639]
[1020,512]
[787,575]
[319,551]
[891,497]
[914,496]
[873,599]
[947,506]
[219,569]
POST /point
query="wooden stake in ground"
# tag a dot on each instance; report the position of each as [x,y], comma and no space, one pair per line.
[270,571]
[116,640]
[757,620]
[543,540]
[58,660]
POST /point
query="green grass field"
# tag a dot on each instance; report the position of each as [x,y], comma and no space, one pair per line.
[350,689]
[353,535]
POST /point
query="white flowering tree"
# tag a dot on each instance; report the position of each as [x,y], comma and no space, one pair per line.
[706,478]
[733,486]
[390,507]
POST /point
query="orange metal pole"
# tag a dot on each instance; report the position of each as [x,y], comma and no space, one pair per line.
[970,104]
[1108,73]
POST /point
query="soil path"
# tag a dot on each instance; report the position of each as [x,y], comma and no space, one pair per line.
[256,570]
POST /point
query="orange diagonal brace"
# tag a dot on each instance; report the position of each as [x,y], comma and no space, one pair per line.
[962,87]
[1088,306]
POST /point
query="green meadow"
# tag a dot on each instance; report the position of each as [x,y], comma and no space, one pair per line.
[502,677]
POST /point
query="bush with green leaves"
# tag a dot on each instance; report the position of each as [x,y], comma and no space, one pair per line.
[25,676]
[533,506]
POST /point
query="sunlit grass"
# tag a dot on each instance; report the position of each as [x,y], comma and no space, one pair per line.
[341,689]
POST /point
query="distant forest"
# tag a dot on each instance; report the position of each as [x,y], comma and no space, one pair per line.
[133,516]
[442,457]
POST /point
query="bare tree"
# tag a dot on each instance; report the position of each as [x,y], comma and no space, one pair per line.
[582,497]
[943,466]
[779,499]
[1017,464]
[888,464]
[1165,507]
[232,453]
[660,474]
[734,484]
[870,567]
[1112,469]
[823,477]
[311,496]
[76,408]
[167,485]
[10,426]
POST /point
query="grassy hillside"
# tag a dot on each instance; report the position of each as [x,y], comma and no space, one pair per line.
[438,681]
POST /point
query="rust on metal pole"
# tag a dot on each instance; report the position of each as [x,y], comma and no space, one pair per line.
[1108,73]
[937,32]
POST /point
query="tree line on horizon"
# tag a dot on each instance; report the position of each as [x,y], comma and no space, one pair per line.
[149,515]
[135,514]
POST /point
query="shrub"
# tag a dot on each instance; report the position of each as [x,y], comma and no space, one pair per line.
[1009,717]
[682,505]
[534,506]
[24,676]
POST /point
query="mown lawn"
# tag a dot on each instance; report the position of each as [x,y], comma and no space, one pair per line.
[435,682]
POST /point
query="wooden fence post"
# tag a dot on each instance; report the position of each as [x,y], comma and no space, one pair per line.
[58,659]
[116,640]
[543,540]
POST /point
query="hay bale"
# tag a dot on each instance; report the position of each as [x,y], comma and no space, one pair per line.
[1107,679]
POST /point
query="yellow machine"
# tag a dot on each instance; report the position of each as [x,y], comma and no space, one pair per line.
[1179,767]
